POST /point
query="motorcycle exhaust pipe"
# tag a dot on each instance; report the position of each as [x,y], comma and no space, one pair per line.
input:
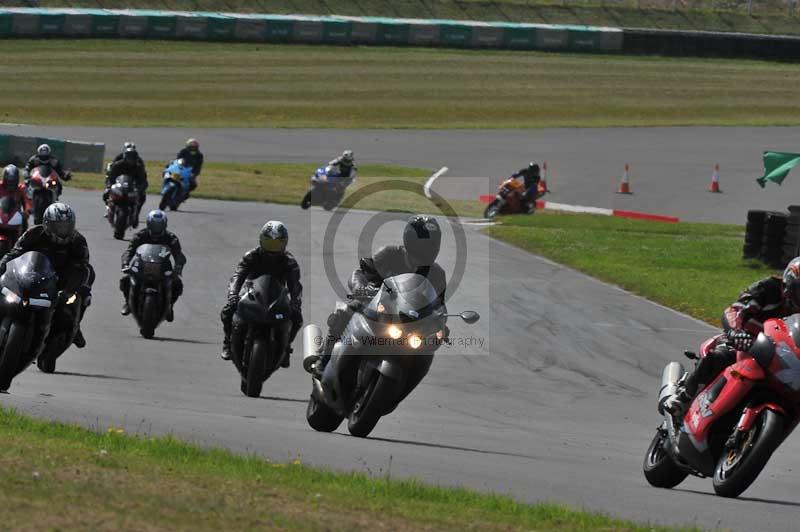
[669,383]
[313,343]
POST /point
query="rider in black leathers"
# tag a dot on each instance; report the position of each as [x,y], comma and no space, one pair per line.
[270,257]
[531,176]
[192,156]
[68,252]
[129,165]
[422,238]
[44,156]
[154,233]
[125,147]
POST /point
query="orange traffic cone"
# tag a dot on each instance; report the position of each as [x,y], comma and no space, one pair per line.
[543,180]
[714,187]
[625,184]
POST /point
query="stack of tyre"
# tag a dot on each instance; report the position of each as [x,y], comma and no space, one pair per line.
[772,237]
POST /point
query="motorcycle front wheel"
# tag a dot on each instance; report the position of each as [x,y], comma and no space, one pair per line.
[120,223]
[375,401]
[151,312]
[659,468]
[305,203]
[257,368]
[739,467]
[492,210]
[12,352]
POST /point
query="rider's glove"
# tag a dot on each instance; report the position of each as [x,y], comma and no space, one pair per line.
[67,175]
[740,340]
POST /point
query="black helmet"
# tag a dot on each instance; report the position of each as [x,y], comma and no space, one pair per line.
[59,223]
[10,177]
[533,167]
[273,237]
[156,222]
[130,155]
[791,283]
[422,238]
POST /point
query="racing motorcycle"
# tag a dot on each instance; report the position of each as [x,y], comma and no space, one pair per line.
[29,295]
[150,294]
[12,223]
[123,202]
[175,188]
[737,421]
[383,354]
[261,329]
[327,188]
[44,188]
[509,199]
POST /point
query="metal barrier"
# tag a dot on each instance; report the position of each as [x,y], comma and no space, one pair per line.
[80,156]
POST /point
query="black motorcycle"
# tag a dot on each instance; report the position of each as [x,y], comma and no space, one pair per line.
[29,295]
[261,329]
[123,202]
[150,293]
[383,354]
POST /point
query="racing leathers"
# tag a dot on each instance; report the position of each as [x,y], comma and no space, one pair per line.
[256,263]
[388,261]
[75,275]
[166,238]
[346,168]
[193,158]
[54,163]
[531,178]
[136,171]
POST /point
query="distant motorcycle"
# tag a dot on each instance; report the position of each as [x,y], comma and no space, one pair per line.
[384,353]
[44,188]
[29,295]
[123,202]
[327,188]
[175,188]
[509,199]
[12,223]
[261,328]
[151,273]
[737,421]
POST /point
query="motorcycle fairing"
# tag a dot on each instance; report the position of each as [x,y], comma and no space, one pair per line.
[263,300]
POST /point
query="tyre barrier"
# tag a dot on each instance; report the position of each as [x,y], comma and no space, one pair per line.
[80,156]
[772,237]
[209,26]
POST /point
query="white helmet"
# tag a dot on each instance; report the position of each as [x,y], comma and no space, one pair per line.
[347,155]
[43,151]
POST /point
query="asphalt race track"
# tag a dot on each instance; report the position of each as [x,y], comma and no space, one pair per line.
[558,404]
[670,167]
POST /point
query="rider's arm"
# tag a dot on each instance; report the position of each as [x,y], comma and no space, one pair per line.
[199,166]
[293,283]
[136,240]
[177,254]
[762,296]
[78,264]
[240,273]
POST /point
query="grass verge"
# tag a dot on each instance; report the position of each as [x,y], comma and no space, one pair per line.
[64,477]
[691,267]
[769,16]
[156,83]
[287,183]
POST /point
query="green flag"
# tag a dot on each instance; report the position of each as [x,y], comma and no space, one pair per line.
[777,166]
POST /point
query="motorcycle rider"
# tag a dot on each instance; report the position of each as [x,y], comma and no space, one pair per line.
[11,186]
[125,147]
[68,252]
[44,156]
[422,238]
[192,157]
[270,257]
[155,232]
[531,176]
[773,297]
[345,165]
[130,165]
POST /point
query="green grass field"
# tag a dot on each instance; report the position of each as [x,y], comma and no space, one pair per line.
[151,83]
[288,182]
[692,267]
[769,16]
[61,477]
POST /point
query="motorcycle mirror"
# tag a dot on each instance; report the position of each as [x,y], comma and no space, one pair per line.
[470,316]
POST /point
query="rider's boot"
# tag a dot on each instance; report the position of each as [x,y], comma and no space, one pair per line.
[287,358]
[678,404]
[79,340]
[170,314]
[125,309]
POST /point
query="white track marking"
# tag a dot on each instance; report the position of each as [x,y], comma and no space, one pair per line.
[426,188]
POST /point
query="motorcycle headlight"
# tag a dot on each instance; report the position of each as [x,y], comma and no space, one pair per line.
[394,332]
[11,297]
[439,334]
[72,299]
[414,341]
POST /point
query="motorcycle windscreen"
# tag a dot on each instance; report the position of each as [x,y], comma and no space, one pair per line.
[151,258]
[8,205]
[793,323]
[125,182]
[404,298]
[263,299]
[30,275]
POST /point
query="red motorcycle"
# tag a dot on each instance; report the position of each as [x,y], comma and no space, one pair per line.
[737,421]
[509,199]
[44,188]
[12,223]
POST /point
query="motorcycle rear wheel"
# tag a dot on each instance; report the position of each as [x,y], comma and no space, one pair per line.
[738,468]
[305,203]
[12,351]
[373,403]
[257,368]
[659,468]
[320,417]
